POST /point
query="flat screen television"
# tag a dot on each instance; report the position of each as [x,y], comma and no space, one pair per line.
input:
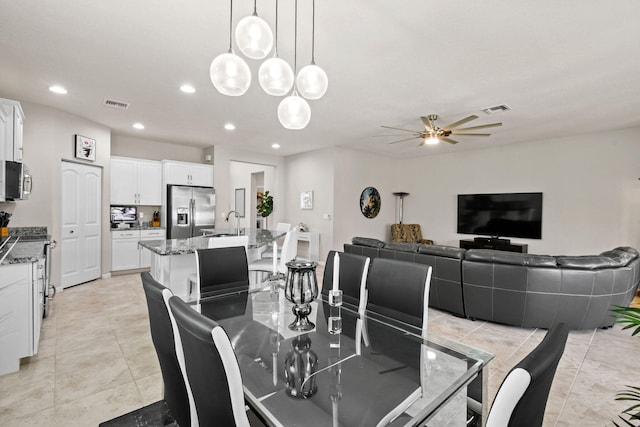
[501,215]
[124,214]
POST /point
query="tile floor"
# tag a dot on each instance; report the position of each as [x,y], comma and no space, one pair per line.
[96,361]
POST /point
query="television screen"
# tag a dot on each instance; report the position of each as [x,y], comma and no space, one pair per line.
[124,214]
[504,214]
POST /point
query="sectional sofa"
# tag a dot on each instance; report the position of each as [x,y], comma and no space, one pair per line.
[533,291]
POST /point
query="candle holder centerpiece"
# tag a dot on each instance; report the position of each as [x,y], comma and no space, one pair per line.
[301,287]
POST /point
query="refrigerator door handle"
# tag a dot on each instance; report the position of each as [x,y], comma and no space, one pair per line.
[192,208]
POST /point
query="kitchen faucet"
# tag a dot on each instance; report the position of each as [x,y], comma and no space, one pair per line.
[237,220]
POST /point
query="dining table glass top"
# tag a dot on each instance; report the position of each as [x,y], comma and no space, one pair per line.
[371,370]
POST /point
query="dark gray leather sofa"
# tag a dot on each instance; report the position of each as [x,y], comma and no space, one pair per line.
[445,292]
[536,291]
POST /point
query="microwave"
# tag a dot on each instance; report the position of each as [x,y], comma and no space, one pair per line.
[18,181]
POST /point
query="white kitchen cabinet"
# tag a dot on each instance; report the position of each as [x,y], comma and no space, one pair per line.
[21,316]
[125,253]
[136,181]
[145,254]
[185,173]
[11,127]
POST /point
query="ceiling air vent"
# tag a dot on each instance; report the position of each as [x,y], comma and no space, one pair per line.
[116,104]
[496,109]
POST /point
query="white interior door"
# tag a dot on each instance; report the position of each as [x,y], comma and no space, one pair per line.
[81,223]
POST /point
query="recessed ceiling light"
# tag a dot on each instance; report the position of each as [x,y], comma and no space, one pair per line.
[276,145]
[187,89]
[58,89]
[229,126]
[138,126]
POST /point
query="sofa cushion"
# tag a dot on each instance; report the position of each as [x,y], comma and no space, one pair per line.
[621,256]
[403,247]
[444,251]
[513,258]
[585,262]
[367,241]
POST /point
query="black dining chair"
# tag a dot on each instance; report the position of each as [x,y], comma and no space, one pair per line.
[221,269]
[210,368]
[175,391]
[522,396]
[351,278]
[399,290]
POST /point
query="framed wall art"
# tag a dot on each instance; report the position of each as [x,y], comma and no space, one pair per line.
[85,148]
[370,202]
[306,200]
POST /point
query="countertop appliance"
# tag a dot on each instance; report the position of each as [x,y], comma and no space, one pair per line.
[18,181]
[189,210]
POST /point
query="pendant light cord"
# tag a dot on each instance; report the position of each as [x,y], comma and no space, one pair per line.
[230,24]
[275,50]
[255,8]
[313,33]
[295,43]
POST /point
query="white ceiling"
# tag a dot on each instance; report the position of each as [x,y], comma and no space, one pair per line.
[564,67]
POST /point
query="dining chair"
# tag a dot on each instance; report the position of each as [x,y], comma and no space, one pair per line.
[522,396]
[399,290]
[352,276]
[209,368]
[175,391]
[281,228]
[219,269]
[216,242]
[289,252]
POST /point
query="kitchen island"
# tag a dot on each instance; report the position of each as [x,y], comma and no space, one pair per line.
[174,260]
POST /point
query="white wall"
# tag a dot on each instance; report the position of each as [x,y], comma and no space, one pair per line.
[140,148]
[591,192]
[312,171]
[240,177]
[222,180]
[49,136]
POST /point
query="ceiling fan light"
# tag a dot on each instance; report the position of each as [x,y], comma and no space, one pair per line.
[230,74]
[294,112]
[312,82]
[432,140]
[275,76]
[254,37]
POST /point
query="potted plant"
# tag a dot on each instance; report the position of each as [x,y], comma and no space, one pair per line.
[630,316]
[265,205]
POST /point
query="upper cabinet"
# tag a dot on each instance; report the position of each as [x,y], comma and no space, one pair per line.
[11,125]
[183,173]
[136,181]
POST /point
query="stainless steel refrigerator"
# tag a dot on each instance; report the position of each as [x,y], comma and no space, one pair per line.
[189,210]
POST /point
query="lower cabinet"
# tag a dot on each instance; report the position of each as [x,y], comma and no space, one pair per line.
[21,302]
[125,253]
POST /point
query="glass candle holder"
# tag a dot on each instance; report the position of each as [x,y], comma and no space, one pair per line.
[301,287]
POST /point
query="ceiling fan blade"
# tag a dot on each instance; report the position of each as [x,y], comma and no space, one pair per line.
[470,134]
[403,140]
[427,123]
[406,130]
[460,122]
[449,140]
[480,127]
[393,134]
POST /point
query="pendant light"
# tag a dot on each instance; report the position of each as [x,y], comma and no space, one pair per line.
[253,36]
[229,73]
[312,81]
[294,111]
[275,74]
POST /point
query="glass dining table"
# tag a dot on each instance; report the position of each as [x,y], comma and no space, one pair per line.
[368,372]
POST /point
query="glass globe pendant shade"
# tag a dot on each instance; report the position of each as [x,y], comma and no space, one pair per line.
[294,112]
[254,37]
[312,82]
[275,76]
[230,74]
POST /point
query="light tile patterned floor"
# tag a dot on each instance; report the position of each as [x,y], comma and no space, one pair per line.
[96,361]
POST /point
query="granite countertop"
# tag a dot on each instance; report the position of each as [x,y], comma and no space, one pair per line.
[21,252]
[257,238]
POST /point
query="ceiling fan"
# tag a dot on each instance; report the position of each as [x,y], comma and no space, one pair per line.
[432,133]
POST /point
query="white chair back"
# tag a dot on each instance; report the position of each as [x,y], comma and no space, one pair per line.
[283,227]
[228,241]
[289,250]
